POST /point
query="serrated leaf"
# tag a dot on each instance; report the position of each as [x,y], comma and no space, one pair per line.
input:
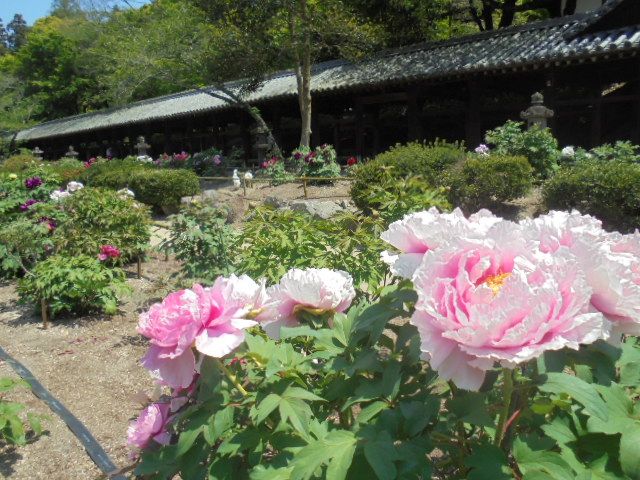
[487,462]
[266,406]
[581,391]
[297,412]
[335,450]
[269,473]
[380,455]
[540,463]
[630,451]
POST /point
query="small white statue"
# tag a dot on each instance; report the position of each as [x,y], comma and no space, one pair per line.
[248,179]
[236,178]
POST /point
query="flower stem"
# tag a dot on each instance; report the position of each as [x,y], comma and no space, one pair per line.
[232,378]
[507,391]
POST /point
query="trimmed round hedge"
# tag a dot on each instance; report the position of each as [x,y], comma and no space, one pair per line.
[609,191]
[402,161]
[483,182]
[153,186]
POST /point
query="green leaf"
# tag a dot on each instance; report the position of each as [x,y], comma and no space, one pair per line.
[186,440]
[630,451]
[266,406]
[581,391]
[381,454]
[301,393]
[540,463]
[487,462]
[269,473]
[335,450]
[370,411]
[297,412]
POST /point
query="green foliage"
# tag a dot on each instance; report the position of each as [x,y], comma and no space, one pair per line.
[74,284]
[97,217]
[12,427]
[163,187]
[348,397]
[609,191]
[621,151]
[19,163]
[23,242]
[537,145]
[275,170]
[413,159]
[320,162]
[274,241]
[68,169]
[484,182]
[202,239]
[393,198]
[153,186]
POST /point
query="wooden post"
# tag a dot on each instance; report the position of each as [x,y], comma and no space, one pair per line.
[45,313]
[304,186]
[244,186]
[139,267]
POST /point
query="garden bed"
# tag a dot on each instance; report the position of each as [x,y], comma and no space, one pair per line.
[91,365]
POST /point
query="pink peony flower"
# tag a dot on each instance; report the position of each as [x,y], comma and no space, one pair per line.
[562,229]
[498,299]
[612,268]
[33,182]
[108,252]
[351,161]
[312,289]
[611,263]
[151,425]
[212,319]
[417,233]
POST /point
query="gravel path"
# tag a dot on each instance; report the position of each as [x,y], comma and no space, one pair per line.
[91,365]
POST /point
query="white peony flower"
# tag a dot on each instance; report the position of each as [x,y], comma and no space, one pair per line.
[58,195]
[73,187]
[316,290]
[568,152]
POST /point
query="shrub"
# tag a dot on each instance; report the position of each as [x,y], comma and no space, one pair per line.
[208,163]
[98,217]
[73,284]
[14,191]
[320,162]
[114,173]
[609,191]
[486,181]
[537,145]
[23,242]
[413,159]
[273,241]
[202,239]
[19,163]
[275,170]
[393,198]
[68,169]
[12,427]
[161,188]
[153,186]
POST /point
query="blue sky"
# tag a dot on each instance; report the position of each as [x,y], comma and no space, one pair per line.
[30,9]
[34,9]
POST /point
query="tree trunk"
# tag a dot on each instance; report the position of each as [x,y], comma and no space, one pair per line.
[303,75]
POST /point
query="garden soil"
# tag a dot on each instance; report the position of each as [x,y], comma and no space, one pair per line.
[90,364]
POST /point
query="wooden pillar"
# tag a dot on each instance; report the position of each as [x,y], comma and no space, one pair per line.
[413,115]
[473,128]
[315,125]
[549,93]
[245,125]
[359,127]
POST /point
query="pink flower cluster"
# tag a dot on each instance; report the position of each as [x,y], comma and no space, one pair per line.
[108,252]
[493,291]
[181,157]
[351,161]
[214,319]
[270,163]
[90,162]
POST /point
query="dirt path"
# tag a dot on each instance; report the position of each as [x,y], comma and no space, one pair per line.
[91,365]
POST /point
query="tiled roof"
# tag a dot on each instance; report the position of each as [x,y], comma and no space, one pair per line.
[538,43]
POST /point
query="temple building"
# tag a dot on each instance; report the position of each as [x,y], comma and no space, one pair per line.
[586,65]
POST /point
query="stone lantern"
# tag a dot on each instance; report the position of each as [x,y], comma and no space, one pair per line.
[37,153]
[71,153]
[261,143]
[537,114]
[142,146]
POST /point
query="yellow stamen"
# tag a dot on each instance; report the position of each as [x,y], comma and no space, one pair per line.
[303,308]
[496,282]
